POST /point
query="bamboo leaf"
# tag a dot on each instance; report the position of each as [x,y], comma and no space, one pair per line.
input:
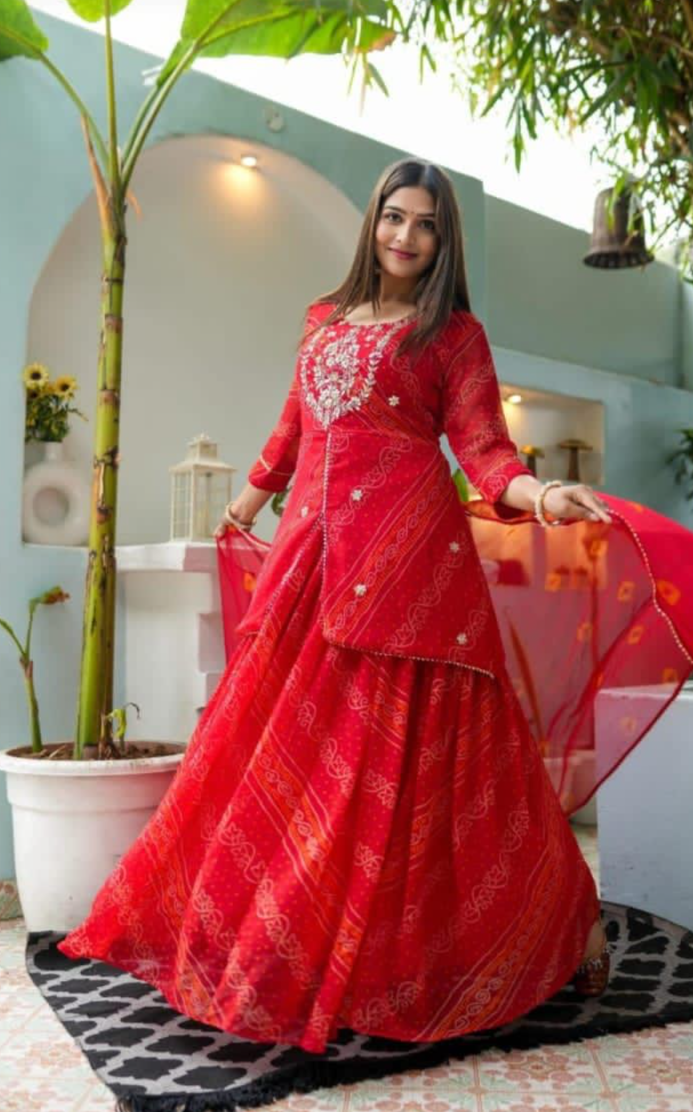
[94,10]
[377,77]
[19,34]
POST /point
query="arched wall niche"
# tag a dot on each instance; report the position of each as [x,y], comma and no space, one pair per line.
[222,261]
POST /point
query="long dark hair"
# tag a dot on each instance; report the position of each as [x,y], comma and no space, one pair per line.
[442,288]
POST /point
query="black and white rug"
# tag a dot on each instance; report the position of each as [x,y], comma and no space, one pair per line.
[156,1060]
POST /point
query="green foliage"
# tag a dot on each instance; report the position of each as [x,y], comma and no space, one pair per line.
[94,10]
[46,598]
[215,28]
[201,14]
[19,35]
[570,62]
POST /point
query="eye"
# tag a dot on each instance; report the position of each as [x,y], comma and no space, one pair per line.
[429,225]
[394,215]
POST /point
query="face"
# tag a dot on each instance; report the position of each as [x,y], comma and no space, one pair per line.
[406,238]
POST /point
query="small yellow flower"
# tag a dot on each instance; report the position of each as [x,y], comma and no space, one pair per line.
[65,386]
[34,375]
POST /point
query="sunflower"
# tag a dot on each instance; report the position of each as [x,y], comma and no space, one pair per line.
[34,375]
[65,386]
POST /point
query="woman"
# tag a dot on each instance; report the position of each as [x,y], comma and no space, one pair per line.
[362,833]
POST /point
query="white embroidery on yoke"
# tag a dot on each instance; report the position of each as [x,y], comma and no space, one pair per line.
[337,368]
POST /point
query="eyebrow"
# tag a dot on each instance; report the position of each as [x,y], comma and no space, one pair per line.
[397,209]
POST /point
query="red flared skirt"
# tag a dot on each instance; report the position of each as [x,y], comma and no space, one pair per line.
[351,840]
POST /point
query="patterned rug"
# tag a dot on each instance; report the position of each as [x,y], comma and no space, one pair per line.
[156,1060]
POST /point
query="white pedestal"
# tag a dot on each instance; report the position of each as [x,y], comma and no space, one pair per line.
[645,810]
[173,635]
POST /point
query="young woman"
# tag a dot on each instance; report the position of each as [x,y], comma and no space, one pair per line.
[362,833]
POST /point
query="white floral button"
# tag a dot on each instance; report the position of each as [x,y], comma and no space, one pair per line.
[454,546]
[393,400]
[360,589]
[461,638]
[304,511]
[357,494]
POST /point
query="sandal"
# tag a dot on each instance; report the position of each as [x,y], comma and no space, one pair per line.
[592,976]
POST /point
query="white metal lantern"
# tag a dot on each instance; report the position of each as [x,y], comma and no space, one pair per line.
[200,491]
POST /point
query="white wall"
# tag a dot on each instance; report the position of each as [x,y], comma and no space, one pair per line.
[220,267]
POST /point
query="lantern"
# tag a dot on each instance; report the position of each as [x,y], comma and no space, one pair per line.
[200,491]
[613,247]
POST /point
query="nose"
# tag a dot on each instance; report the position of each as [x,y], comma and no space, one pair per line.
[404,236]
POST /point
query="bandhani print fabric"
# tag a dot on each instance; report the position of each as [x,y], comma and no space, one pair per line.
[374,840]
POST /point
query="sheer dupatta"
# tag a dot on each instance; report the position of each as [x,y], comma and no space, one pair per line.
[597,624]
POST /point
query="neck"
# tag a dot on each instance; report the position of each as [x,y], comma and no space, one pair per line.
[396,291]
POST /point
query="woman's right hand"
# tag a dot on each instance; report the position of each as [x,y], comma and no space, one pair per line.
[222,527]
[227,523]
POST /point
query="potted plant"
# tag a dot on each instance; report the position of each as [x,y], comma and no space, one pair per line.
[72,852]
[51,808]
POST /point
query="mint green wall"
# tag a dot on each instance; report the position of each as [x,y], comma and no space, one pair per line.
[561,314]
[619,337]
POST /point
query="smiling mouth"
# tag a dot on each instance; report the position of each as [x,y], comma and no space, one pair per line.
[403,254]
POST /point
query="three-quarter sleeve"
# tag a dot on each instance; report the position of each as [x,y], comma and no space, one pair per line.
[473,418]
[276,463]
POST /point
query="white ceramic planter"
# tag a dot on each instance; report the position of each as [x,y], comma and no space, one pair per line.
[55,500]
[72,821]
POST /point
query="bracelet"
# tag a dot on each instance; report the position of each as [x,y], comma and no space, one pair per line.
[231,518]
[539,503]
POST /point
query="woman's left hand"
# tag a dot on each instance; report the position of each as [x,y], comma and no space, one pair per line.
[576,500]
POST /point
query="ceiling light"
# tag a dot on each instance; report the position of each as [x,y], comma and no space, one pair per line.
[249,160]
[515,399]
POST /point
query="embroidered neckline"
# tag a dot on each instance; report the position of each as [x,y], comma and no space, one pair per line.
[375,323]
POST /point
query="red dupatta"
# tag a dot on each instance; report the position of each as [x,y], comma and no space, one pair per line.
[582,608]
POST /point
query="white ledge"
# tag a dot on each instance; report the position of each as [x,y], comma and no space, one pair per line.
[200,556]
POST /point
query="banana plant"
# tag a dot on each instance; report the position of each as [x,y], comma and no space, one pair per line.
[210,28]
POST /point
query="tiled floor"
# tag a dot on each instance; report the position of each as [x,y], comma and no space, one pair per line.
[41,1069]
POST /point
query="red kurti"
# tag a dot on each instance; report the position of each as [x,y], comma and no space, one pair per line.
[362,832]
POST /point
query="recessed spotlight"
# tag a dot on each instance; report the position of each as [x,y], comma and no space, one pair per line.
[514,399]
[249,160]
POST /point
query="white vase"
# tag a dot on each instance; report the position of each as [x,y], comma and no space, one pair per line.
[72,821]
[55,500]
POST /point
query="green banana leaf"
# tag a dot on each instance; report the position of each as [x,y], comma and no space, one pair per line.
[19,35]
[94,10]
[276,28]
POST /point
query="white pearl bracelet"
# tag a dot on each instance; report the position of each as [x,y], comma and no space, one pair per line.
[539,503]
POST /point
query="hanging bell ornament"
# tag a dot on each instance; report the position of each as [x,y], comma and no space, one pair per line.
[613,247]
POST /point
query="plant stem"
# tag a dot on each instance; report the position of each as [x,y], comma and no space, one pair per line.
[83,110]
[147,115]
[113,160]
[138,140]
[28,670]
[8,629]
[99,619]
